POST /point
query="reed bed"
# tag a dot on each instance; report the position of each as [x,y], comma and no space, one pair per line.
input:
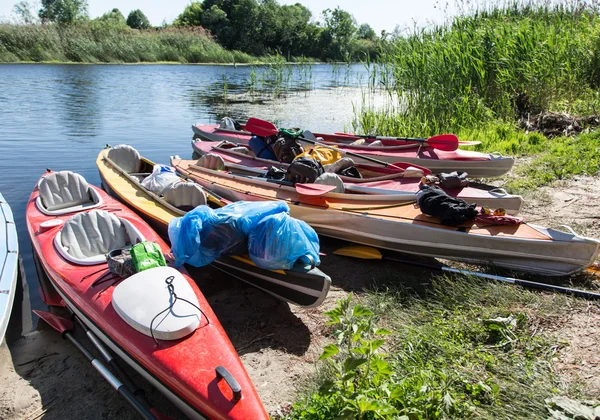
[495,64]
[93,42]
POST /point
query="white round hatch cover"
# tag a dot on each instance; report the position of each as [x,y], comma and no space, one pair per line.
[141,297]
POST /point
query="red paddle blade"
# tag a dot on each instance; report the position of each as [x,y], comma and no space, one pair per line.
[445,142]
[313,189]
[261,127]
[59,323]
[405,165]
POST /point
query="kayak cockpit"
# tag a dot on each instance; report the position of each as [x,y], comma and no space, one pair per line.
[86,238]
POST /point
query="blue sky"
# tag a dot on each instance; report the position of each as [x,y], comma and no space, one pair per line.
[380,14]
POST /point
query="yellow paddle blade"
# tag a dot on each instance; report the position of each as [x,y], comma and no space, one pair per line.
[360,251]
[594,269]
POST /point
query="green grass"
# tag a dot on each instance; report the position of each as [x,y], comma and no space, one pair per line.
[98,42]
[545,160]
[463,348]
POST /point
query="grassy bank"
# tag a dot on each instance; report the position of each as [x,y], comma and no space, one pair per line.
[463,348]
[98,42]
[478,75]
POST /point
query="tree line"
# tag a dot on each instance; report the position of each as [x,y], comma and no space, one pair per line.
[257,27]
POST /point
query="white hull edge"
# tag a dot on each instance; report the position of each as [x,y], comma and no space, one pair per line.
[9,265]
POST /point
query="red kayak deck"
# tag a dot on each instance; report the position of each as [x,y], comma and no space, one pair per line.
[186,367]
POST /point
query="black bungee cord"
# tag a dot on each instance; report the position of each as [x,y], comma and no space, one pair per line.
[174,297]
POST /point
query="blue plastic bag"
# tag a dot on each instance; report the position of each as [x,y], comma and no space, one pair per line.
[279,240]
[204,234]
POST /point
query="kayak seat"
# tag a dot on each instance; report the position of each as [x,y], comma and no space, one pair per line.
[86,238]
[65,192]
[126,158]
[211,161]
[140,298]
[185,195]
[329,178]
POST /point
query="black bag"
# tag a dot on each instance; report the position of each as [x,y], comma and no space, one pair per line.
[276,173]
[453,179]
[351,172]
[286,148]
[451,211]
[304,170]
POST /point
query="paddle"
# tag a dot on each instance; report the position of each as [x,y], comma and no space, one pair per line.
[64,326]
[266,129]
[370,253]
[354,136]
[313,189]
[446,142]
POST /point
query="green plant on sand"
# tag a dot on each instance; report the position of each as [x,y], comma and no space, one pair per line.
[461,349]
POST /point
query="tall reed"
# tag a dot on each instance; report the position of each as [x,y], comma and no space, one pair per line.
[496,63]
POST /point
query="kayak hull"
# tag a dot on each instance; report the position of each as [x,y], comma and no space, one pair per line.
[9,264]
[477,165]
[191,381]
[394,185]
[403,228]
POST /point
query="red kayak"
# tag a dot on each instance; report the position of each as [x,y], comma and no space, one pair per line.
[393,183]
[72,225]
[476,164]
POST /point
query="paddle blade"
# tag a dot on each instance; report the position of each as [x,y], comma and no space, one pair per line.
[405,165]
[59,323]
[261,127]
[360,251]
[445,142]
[313,189]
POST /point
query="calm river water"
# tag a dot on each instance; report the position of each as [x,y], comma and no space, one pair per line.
[60,116]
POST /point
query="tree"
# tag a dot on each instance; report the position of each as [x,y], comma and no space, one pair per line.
[23,11]
[191,16]
[340,29]
[366,32]
[114,17]
[63,11]
[137,20]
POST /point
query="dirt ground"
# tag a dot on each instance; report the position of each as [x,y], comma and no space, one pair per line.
[43,376]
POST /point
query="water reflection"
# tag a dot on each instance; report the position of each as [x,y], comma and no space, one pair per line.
[77,99]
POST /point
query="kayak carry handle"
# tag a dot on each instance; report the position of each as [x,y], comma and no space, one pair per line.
[223,373]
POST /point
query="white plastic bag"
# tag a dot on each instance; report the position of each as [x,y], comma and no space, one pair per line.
[162,176]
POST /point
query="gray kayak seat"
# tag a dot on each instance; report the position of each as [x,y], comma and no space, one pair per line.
[126,158]
[65,192]
[211,161]
[86,238]
[185,195]
[329,178]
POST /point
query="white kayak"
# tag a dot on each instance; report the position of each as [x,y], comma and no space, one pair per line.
[9,257]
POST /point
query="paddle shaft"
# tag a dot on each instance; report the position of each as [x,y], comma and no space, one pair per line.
[522,283]
[112,380]
[108,357]
[345,152]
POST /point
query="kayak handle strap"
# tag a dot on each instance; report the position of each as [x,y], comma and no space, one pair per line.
[223,373]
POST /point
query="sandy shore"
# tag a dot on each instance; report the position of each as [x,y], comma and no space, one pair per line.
[43,376]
